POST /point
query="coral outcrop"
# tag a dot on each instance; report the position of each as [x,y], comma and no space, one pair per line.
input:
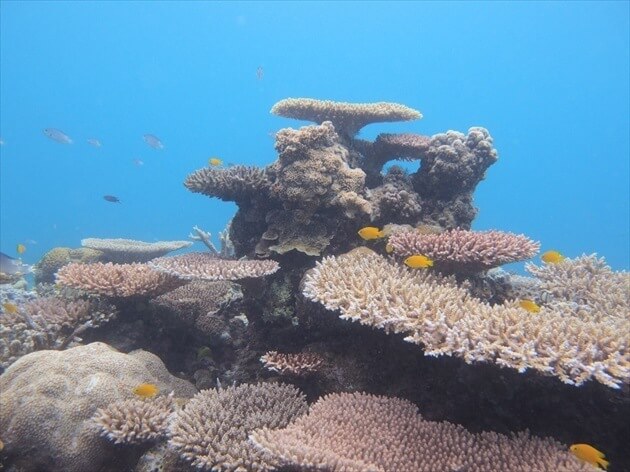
[128,251]
[58,257]
[48,398]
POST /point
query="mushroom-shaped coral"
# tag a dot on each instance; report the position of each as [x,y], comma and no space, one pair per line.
[206,266]
[237,183]
[463,252]
[117,280]
[48,398]
[347,118]
[302,363]
[129,250]
[358,432]
[212,431]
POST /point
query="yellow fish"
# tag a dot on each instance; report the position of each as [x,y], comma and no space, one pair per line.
[10,308]
[589,454]
[529,305]
[21,248]
[146,390]
[552,257]
[418,261]
[371,232]
[389,248]
[215,161]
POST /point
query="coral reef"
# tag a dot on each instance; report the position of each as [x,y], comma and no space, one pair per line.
[48,398]
[212,431]
[355,432]
[302,363]
[347,118]
[395,199]
[442,317]
[463,252]
[239,183]
[206,266]
[117,280]
[58,257]
[128,251]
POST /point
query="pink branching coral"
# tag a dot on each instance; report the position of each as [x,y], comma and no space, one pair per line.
[302,363]
[206,266]
[357,432]
[462,251]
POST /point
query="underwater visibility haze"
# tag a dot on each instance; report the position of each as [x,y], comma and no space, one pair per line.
[234,232]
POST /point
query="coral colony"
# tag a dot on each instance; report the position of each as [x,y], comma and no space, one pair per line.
[453,364]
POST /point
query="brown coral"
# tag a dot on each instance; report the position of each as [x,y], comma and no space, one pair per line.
[128,251]
[357,432]
[573,345]
[302,363]
[237,183]
[58,257]
[206,266]
[347,118]
[462,251]
[211,432]
[117,280]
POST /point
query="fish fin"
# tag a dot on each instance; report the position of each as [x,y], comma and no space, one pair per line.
[603,462]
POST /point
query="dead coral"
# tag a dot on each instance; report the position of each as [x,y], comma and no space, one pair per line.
[358,432]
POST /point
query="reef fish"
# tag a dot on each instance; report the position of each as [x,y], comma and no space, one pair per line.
[529,305]
[11,266]
[389,248]
[552,257]
[94,142]
[371,232]
[153,141]
[589,454]
[260,73]
[146,390]
[215,161]
[10,308]
[20,249]
[418,261]
[112,198]
[57,135]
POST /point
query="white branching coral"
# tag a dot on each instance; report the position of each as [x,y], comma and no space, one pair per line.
[445,319]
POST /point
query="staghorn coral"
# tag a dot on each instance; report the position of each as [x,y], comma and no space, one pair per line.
[205,266]
[395,199]
[48,323]
[462,251]
[302,363]
[442,317]
[358,432]
[347,118]
[137,420]
[237,183]
[48,398]
[117,280]
[451,169]
[58,257]
[127,251]
[211,432]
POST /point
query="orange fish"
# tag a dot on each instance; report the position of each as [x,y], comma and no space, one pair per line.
[21,248]
[529,305]
[10,308]
[146,390]
[418,261]
[589,454]
[552,257]
[371,232]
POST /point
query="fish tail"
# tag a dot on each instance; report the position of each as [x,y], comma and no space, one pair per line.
[603,463]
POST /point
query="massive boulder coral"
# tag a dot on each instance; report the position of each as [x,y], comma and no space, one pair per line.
[433,311]
[48,398]
[358,432]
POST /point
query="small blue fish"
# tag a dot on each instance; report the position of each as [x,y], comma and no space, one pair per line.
[94,142]
[57,135]
[153,141]
[112,198]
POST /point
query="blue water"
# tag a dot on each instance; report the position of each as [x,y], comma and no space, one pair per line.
[549,81]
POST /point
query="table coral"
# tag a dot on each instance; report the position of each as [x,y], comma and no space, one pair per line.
[128,251]
[48,398]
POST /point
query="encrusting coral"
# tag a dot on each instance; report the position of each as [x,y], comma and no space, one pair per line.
[48,398]
[357,432]
[212,431]
[347,118]
[206,266]
[128,251]
[461,251]
[117,280]
[442,317]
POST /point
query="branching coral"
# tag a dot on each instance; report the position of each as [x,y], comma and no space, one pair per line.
[128,250]
[237,183]
[437,314]
[212,431]
[462,251]
[302,363]
[206,266]
[117,280]
[357,432]
[58,257]
[347,118]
